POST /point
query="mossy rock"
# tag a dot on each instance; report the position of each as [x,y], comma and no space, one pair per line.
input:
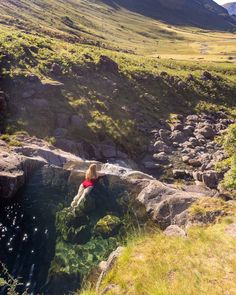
[108,226]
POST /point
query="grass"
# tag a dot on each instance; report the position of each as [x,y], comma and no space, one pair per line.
[115,107]
[228,141]
[156,264]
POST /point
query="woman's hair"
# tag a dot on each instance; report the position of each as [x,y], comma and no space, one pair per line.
[91,173]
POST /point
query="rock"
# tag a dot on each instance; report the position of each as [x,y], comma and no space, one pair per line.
[192,119]
[160,146]
[174,231]
[181,174]
[108,226]
[161,158]
[231,230]
[190,78]
[178,136]
[17,164]
[165,135]
[163,202]
[56,69]
[186,159]
[195,162]
[181,85]
[210,179]
[194,141]
[177,126]
[109,264]
[206,76]
[197,175]
[206,131]
[188,130]
[107,64]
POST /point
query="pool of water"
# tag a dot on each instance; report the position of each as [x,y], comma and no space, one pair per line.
[27,234]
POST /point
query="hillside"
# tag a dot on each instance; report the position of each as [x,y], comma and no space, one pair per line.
[205,14]
[231,7]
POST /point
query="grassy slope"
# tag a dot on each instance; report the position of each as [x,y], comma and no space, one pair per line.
[180,51]
[119,29]
[203,263]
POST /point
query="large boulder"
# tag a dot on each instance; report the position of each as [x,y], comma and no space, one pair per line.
[164,202]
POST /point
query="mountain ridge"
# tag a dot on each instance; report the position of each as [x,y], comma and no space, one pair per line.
[231,7]
[203,14]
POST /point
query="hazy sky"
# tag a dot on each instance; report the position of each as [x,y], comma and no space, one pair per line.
[223,1]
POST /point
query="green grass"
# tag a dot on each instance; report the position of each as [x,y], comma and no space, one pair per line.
[228,141]
[156,264]
[143,49]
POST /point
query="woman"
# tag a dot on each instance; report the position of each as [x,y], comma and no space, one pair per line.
[91,177]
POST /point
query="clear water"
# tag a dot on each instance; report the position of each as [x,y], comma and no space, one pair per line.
[27,234]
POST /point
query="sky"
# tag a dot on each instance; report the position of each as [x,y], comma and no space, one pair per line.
[223,1]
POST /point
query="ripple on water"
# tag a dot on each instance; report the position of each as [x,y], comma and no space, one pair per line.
[27,235]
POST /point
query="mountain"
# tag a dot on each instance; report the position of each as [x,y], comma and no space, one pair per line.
[203,13]
[231,7]
[87,18]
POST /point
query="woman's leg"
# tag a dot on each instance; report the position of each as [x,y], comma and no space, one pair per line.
[84,194]
[77,197]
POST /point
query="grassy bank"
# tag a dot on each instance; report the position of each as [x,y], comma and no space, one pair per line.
[202,263]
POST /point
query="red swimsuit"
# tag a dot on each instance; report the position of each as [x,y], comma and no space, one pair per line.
[88,183]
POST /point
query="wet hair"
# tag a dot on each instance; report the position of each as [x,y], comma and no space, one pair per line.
[91,173]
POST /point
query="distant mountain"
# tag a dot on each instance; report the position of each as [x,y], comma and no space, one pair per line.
[231,7]
[201,13]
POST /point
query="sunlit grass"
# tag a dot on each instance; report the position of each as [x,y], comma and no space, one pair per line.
[203,263]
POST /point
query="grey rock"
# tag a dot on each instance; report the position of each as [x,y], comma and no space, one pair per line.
[206,131]
[181,174]
[163,202]
[109,264]
[161,158]
[165,135]
[178,136]
[210,179]
[174,231]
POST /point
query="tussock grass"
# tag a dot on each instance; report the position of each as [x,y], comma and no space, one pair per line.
[203,263]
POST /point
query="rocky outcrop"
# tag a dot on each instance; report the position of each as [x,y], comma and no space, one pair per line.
[164,202]
[18,163]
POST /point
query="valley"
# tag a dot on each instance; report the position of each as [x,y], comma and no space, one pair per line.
[147,91]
